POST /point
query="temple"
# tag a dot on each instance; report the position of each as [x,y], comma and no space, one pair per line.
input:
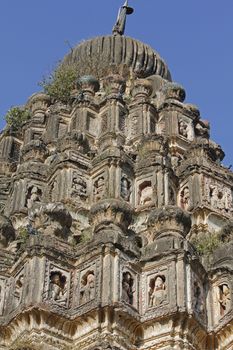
[116,229]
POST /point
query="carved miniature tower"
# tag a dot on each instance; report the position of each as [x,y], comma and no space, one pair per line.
[116,226]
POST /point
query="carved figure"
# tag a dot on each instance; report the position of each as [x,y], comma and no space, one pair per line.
[199,305]
[127,287]
[99,188]
[125,188]
[33,196]
[18,290]
[185,198]
[157,291]
[183,128]
[79,187]
[87,291]
[145,193]
[224,299]
[57,288]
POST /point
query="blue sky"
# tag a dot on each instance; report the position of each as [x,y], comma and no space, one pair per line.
[193,36]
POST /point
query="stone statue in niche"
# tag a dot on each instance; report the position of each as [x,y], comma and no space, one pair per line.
[224,299]
[185,198]
[145,193]
[18,289]
[58,287]
[79,187]
[87,291]
[183,128]
[125,188]
[99,188]
[199,305]
[33,196]
[128,287]
[157,291]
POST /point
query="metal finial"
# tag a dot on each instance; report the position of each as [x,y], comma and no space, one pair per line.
[119,27]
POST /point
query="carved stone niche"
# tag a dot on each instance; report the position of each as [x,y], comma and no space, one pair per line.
[222,298]
[87,288]
[7,232]
[57,285]
[52,219]
[99,187]
[145,193]
[155,289]
[78,187]
[170,219]
[185,128]
[129,288]
[111,213]
[33,196]
[126,188]
[184,197]
[217,195]
[18,286]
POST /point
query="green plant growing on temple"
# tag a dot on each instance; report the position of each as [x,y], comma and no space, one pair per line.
[61,82]
[206,243]
[17,116]
[23,234]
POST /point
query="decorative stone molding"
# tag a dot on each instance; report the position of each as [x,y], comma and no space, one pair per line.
[169,219]
[108,212]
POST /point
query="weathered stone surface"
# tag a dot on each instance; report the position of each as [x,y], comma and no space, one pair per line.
[116,214]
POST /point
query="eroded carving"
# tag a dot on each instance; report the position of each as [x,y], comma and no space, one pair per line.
[145,193]
[224,299]
[185,198]
[87,290]
[99,188]
[79,187]
[128,288]
[218,195]
[157,290]
[33,196]
[125,188]
[58,287]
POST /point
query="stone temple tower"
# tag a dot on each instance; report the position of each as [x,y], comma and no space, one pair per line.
[116,228]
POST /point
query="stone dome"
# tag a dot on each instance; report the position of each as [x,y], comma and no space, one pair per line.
[106,51]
